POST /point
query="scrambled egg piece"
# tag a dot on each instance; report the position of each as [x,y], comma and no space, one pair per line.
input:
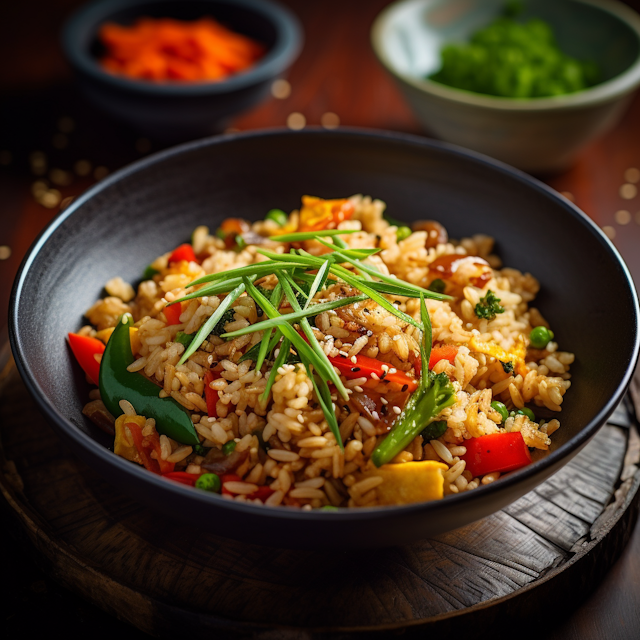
[516,355]
[409,482]
[105,334]
[122,445]
[318,214]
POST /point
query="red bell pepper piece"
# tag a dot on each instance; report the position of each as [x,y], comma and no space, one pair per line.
[183,252]
[182,477]
[229,477]
[85,349]
[496,452]
[365,366]
[145,445]
[440,352]
[211,395]
[261,494]
[172,313]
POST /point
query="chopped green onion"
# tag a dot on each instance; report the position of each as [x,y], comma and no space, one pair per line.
[301,236]
[208,326]
[288,318]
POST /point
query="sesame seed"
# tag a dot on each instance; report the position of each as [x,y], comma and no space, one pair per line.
[374,415]
[374,375]
[397,410]
[393,370]
[354,359]
[385,367]
[343,353]
[384,401]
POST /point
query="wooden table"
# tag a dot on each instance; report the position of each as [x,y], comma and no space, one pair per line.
[336,79]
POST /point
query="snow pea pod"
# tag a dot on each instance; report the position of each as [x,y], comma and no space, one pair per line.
[116,383]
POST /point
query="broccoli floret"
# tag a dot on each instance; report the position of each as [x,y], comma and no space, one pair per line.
[489,306]
[507,366]
[227,316]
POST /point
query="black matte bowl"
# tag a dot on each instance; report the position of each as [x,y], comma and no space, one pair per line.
[120,225]
[181,110]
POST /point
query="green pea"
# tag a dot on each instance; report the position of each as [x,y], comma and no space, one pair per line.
[402,233]
[438,286]
[200,450]
[328,507]
[501,409]
[527,412]
[228,447]
[209,482]
[540,337]
[278,216]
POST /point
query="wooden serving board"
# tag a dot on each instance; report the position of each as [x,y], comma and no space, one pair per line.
[166,579]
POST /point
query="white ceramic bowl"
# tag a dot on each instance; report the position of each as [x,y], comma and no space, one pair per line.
[538,134]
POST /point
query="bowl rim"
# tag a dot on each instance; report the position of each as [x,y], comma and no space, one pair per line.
[285,50]
[616,87]
[282,513]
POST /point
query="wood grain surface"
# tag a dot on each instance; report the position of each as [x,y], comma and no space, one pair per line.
[338,74]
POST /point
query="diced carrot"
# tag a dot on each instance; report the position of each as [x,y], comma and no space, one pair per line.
[166,49]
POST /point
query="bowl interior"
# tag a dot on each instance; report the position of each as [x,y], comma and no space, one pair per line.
[121,225]
[414,32]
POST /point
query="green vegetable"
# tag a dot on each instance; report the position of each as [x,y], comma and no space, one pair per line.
[507,367]
[489,306]
[209,482]
[514,59]
[199,450]
[228,447]
[208,326]
[540,337]
[403,233]
[501,409]
[149,272]
[300,288]
[434,394]
[301,236]
[527,412]
[219,328]
[116,383]
[278,216]
[240,243]
[329,507]
[438,286]
[434,430]
[184,338]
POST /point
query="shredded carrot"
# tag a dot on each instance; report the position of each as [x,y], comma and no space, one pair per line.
[162,49]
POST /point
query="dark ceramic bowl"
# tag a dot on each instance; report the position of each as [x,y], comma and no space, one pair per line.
[146,209]
[173,110]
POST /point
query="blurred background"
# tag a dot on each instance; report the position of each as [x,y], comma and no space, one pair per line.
[54,144]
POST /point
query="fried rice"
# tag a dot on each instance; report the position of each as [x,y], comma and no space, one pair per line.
[284,443]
